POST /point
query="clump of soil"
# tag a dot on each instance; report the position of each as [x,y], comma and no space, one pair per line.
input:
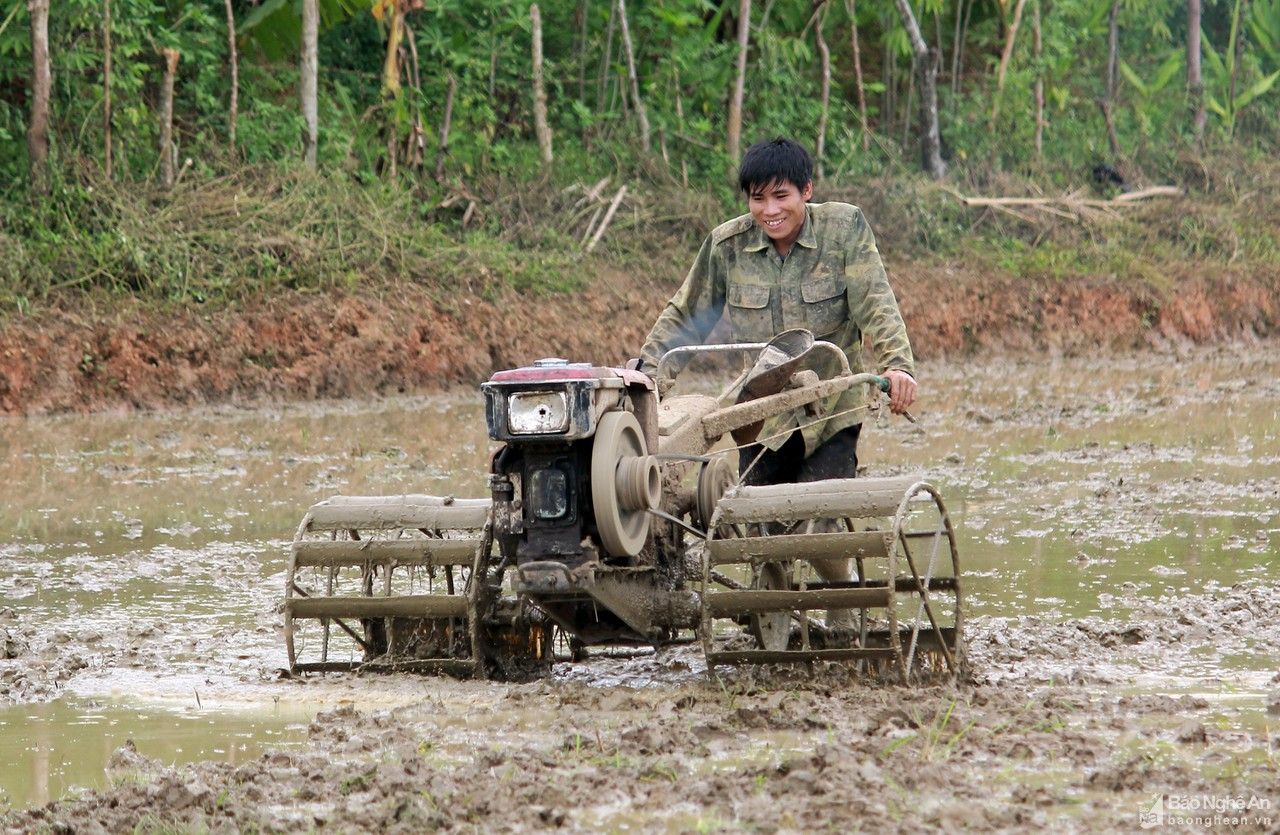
[1014,745]
[407,338]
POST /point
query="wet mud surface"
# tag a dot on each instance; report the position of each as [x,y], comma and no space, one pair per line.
[1120,526]
[1042,734]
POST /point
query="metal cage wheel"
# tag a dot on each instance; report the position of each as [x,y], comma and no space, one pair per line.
[924,646]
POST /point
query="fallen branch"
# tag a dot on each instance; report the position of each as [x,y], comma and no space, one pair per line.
[1144,193]
[1073,206]
[608,218]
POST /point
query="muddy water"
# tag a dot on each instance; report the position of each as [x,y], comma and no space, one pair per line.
[142,555]
[57,747]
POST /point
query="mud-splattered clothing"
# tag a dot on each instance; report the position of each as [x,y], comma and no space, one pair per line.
[831,282]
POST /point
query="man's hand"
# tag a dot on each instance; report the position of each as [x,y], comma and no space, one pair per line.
[902,390]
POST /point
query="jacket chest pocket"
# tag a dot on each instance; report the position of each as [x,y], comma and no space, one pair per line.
[825,305]
[750,312]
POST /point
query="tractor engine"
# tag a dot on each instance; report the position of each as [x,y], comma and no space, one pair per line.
[575,478]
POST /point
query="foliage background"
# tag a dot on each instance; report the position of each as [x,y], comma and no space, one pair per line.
[247,219]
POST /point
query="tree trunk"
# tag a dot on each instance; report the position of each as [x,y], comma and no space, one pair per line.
[606,60]
[852,7]
[166,118]
[1010,36]
[1113,51]
[739,85]
[957,55]
[1113,140]
[642,115]
[888,60]
[684,164]
[1238,17]
[308,81]
[391,84]
[927,67]
[106,89]
[582,17]
[1039,88]
[955,44]
[1109,82]
[416,149]
[909,100]
[41,82]
[234,114]
[540,126]
[825,97]
[443,148]
[1195,81]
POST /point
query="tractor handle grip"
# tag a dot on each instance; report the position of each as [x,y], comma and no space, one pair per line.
[883,384]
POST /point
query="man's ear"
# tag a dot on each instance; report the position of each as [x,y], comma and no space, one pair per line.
[807,194]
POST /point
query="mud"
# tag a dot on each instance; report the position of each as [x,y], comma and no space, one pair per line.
[1119,524]
[1030,739]
[407,337]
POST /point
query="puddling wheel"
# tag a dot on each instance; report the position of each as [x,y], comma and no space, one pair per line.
[907,586]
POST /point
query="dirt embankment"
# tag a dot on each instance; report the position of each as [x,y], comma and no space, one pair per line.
[405,338]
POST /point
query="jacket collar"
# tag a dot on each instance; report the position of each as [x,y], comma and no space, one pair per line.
[760,241]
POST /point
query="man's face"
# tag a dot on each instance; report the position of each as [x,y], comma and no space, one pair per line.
[778,209]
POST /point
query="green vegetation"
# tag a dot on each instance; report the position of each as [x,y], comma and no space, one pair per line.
[387,201]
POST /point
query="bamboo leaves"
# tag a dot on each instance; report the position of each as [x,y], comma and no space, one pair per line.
[275,26]
[1149,101]
[1264,28]
[1222,96]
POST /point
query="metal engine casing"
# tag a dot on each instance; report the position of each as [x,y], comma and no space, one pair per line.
[552,517]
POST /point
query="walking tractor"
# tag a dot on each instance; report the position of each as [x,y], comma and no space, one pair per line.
[616,518]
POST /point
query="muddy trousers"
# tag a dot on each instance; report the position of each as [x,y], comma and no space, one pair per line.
[835,458]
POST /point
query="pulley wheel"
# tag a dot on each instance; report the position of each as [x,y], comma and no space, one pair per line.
[715,477]
[623,484]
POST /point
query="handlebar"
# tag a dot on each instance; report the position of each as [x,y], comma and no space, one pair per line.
[663,373]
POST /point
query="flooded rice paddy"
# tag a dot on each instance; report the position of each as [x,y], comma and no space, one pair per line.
[142,557]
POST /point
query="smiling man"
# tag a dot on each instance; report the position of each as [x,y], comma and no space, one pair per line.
[788,264]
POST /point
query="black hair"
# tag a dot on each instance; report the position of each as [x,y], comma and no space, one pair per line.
[775,160]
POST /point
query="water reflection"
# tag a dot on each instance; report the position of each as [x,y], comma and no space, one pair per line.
[53,749]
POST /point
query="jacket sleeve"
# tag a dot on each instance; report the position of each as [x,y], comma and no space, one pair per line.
[872,305]
[691,313]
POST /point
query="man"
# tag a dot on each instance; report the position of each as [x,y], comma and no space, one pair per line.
[791,264]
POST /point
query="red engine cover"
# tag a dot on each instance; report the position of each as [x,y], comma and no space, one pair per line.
[563,371]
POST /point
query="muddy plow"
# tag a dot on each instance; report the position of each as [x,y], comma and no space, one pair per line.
[616,518]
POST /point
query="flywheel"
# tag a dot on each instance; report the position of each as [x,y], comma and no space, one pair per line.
[625,484]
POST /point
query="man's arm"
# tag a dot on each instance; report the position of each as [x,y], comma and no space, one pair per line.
[874,309]
[691,313]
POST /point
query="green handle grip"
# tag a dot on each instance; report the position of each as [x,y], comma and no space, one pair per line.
[883,383]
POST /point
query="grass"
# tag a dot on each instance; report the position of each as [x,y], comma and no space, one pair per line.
[220,240]
[235,237]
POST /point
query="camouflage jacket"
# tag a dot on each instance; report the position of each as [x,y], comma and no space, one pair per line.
[831,282]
